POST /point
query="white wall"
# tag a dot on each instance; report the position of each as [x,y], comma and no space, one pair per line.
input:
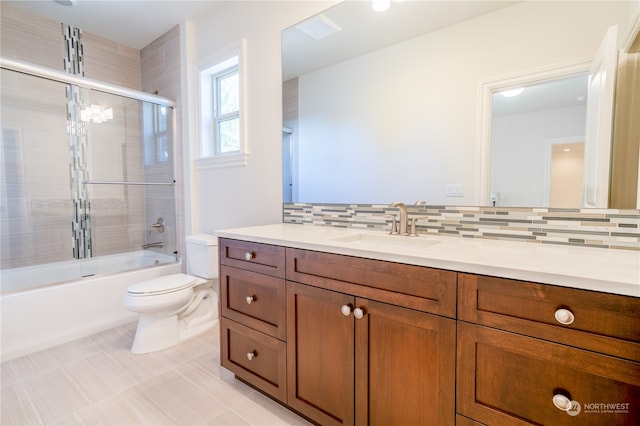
[518,172]
[418,123]
[250,195]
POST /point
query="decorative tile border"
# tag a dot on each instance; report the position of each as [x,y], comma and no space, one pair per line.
[603,228]
[73,50]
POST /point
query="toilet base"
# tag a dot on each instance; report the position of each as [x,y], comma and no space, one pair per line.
[157,331]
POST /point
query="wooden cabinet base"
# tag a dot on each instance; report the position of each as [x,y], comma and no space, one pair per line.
[509,379]
[254,357]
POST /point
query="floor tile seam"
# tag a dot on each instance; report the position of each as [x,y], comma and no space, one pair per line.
[90,403]
[202,388]
[150,401]
[32,405]
[10,367]
[274,413]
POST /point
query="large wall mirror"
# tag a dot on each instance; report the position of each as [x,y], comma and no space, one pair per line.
[409,104]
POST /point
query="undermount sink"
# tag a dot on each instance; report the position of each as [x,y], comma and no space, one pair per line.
[378,241]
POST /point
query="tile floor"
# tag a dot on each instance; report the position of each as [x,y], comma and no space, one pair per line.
[98,381]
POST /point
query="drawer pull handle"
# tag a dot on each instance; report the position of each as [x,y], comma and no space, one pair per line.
[358,313]
[251,355]
[250,299]
[346,310]
[562,403]
[564,316]
[249,255]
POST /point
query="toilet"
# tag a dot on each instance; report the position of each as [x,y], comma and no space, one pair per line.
[176,307]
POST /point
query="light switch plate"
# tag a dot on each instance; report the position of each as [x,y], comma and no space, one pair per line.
[455,190]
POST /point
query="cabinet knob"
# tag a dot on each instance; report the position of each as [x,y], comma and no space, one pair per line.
[561,402]
[251,355]
[250,299]
[358,313]
[346,310]
[249,255]
[564,316]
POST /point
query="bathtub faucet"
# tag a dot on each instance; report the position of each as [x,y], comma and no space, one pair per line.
[150,245]
[159,225]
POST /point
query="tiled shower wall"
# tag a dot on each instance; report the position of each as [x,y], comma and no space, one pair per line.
[160,68]
[605,228]
[119,216]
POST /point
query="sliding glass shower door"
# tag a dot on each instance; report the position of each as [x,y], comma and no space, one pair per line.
[85,173]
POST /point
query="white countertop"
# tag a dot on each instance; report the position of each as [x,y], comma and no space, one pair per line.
[606,270]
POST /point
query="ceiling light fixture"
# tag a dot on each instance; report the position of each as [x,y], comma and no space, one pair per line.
[96,114]
[380,5]
[512,92]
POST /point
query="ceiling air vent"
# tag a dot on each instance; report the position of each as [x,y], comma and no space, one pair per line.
[318,27]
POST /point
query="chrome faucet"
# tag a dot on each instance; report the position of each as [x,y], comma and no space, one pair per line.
[413,232]
[403,217]
[159,225]
[152,245]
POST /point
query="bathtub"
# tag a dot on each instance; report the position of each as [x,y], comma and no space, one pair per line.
[88,298]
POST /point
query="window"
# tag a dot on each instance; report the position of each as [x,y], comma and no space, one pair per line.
[226,94]
[156,133]
[222,115]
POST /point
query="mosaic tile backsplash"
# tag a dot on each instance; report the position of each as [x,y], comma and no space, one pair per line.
[605,228]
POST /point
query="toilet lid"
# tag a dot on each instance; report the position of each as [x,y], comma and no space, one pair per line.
[164,284]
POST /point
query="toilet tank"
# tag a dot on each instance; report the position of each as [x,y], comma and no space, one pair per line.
[202,255]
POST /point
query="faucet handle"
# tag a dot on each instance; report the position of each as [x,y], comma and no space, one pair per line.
[413,232]
[394,224]
[420,203]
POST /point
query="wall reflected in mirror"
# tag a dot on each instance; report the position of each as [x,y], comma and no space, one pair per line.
[537,135]
[400,123]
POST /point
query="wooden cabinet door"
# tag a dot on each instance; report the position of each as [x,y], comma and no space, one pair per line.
[509,379]
[320,354]
[405,366]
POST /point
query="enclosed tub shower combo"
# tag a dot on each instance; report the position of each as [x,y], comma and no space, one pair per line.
[87,203]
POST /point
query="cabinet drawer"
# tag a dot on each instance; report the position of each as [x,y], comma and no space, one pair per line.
[416,287]
[605,323]
[509,379]
[254,357]
[253,299]
[263,258]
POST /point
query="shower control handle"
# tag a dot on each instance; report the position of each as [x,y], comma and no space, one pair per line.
[159,225]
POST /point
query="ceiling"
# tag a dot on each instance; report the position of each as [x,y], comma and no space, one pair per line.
[133,23]
[362,30]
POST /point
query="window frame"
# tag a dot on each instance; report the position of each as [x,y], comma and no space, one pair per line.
[216,64]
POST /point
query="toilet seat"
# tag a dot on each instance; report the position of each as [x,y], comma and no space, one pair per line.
[163,285]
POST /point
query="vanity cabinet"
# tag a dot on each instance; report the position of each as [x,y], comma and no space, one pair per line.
[252,310]
[347,340]
[352,359]
[539,354]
